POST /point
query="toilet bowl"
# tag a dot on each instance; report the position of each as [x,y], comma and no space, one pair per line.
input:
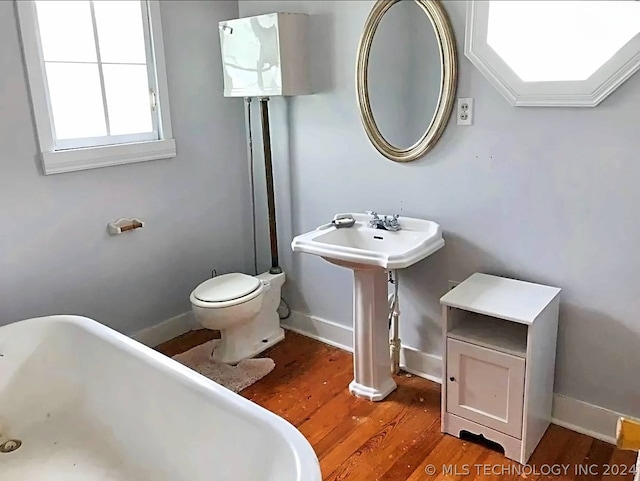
[245,311]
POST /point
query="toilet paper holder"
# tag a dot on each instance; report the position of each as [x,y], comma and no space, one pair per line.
[124,225]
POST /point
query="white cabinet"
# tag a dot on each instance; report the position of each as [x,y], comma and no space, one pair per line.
[500,346]
[485,386]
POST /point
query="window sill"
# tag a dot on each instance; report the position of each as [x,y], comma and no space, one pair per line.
[71,160]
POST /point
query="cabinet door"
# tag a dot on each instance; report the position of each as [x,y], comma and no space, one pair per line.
[485,386]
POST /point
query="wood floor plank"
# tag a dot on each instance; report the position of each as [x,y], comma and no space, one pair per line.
[187,341]
[407,462]
[339,448]
[295,367]
[442,454]
[361,414]
[572,455]
[421,425]
[492,466]
[461,461]
[374,458]
[312,400]
[621,465]
[346,439]
[598,456]
[297,396]
[395,440]
[334,412]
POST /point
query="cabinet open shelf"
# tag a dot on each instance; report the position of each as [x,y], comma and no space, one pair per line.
[490,332]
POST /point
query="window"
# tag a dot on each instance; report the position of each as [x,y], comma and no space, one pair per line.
[97,81]
[564,53]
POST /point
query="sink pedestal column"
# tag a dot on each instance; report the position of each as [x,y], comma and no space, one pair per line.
[371,361]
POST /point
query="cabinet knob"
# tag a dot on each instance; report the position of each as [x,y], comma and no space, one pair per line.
[452,379]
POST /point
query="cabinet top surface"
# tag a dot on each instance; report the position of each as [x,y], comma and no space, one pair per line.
[500,297]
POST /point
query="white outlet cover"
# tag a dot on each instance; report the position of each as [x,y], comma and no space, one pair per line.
[464,112]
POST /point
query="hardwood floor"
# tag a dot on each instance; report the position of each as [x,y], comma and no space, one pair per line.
[399,439]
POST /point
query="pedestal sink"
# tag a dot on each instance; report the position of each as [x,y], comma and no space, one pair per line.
[370,253]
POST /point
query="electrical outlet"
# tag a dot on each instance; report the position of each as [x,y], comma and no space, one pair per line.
[465,111]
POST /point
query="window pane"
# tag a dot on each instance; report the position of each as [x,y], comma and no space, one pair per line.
[76,100]
[66,31]
[128,103]
[120,32]
[579,37]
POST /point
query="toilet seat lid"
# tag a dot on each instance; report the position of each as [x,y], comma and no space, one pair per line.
[226,287]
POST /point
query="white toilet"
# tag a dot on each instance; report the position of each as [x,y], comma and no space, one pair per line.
[245,311]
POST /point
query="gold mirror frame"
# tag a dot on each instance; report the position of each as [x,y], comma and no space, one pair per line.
[449,79]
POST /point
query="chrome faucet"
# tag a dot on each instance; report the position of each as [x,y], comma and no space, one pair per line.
[375,222]
[389,223]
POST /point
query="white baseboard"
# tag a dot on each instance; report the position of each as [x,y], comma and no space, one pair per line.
[428,366]
[579,416]
[585,418]
[329,332]
[166,330]
[412,360]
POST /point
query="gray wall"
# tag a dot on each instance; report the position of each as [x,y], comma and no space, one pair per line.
[546,195]
[55,254]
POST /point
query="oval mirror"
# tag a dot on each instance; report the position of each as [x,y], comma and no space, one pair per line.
[406,76]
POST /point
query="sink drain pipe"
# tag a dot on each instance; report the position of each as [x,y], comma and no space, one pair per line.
[394,323]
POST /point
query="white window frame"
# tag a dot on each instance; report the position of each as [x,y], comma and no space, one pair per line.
[68,156]
[576,93]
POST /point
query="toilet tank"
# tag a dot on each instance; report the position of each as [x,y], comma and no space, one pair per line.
[265,55]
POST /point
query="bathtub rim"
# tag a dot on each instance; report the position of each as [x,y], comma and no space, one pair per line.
[306,460]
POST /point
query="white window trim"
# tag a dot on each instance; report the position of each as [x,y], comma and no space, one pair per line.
[56,161]
[579,93]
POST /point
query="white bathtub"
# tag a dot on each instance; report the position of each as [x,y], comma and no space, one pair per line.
[91,404]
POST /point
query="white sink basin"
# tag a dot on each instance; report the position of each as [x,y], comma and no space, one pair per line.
[361,246]
[369,252]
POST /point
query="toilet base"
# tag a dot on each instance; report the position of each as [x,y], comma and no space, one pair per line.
[234,357]
[271,340]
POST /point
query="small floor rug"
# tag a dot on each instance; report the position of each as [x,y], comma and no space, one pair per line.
[235,378]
